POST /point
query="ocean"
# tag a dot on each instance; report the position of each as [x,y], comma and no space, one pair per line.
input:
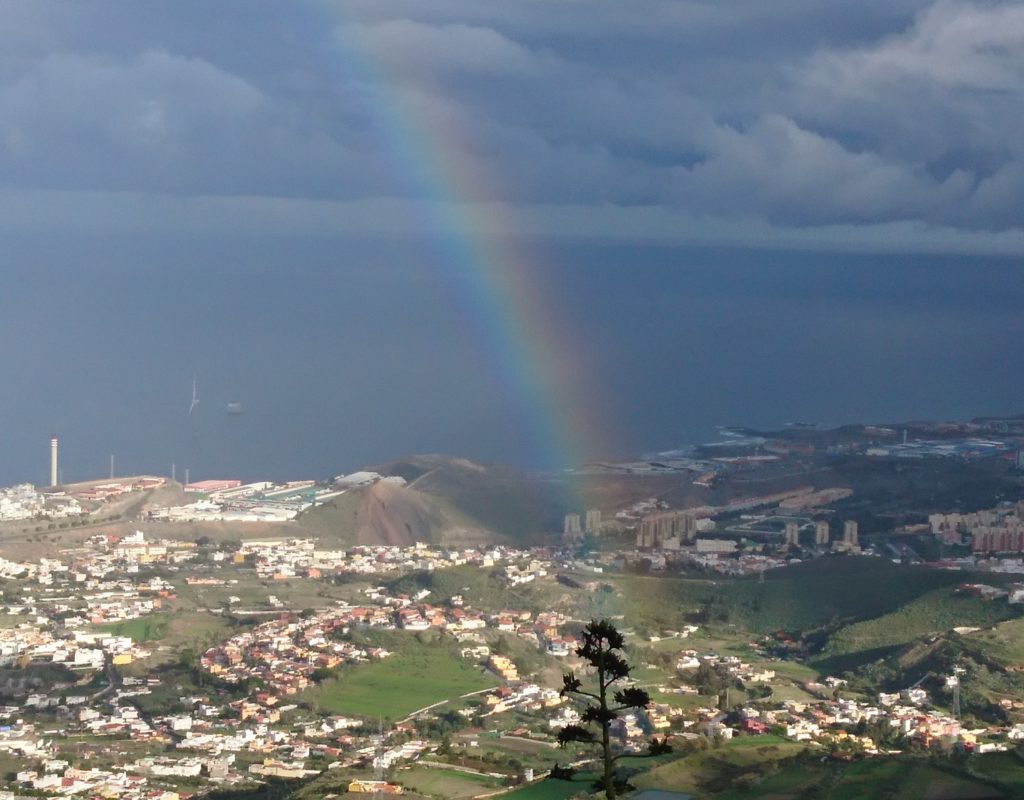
[343,354]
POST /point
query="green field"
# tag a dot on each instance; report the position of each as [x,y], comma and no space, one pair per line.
[647,604]
[790,784]
[742,770]
[447,782]
[150,628]
[1004,769]
[684,701]
[170,634]
[905,779]
[492,748]
[253,591]
[175,629]
[550,790]
[415,676]
[711,769]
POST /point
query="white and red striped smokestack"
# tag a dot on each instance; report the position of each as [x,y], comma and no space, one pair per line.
[53,460]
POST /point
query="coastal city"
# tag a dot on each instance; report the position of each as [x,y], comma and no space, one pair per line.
[139,662]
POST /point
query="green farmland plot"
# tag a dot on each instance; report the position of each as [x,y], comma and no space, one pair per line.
[414,677]
[549,789]
[150,628]
[448,783]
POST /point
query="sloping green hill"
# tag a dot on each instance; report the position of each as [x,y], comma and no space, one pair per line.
[930,660]
[935,612]
[1003,643]
[826,591]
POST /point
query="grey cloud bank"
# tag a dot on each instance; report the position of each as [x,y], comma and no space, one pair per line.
[794,114]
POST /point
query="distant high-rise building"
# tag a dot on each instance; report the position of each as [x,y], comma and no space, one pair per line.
[593,521]
[850,533]
[656,529]
[688,531]
[998,540]
[821,532]
[651,531]
[792,533]
[571,529]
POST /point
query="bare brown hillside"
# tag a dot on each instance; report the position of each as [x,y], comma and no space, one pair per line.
[386,513]
[507,501]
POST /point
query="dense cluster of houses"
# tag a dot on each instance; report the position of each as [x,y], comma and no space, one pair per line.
[283,654]
[831,718]
[24,502]
[280,559]
[98,719]
[94,782]
[101,557]
[836,720]
[75,649]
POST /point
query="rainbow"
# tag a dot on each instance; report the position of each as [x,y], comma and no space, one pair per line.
[498,282]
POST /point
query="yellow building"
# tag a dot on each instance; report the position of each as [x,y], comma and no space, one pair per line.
[369,787]
[504,667]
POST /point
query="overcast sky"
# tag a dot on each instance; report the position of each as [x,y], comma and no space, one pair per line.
[732,212]
[892,122]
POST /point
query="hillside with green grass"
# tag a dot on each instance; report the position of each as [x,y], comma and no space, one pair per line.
[864,602]
[927,662]
[422,669]
[826,591]
[764,768]
[1003,643]
[933,613]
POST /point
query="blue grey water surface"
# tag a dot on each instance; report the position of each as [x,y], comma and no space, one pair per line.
[344,354]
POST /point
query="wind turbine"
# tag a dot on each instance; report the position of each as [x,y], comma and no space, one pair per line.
[195,396]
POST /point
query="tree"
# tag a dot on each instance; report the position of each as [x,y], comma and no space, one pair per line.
[602,650]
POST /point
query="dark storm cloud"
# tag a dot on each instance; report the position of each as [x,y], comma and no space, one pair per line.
[791,117]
